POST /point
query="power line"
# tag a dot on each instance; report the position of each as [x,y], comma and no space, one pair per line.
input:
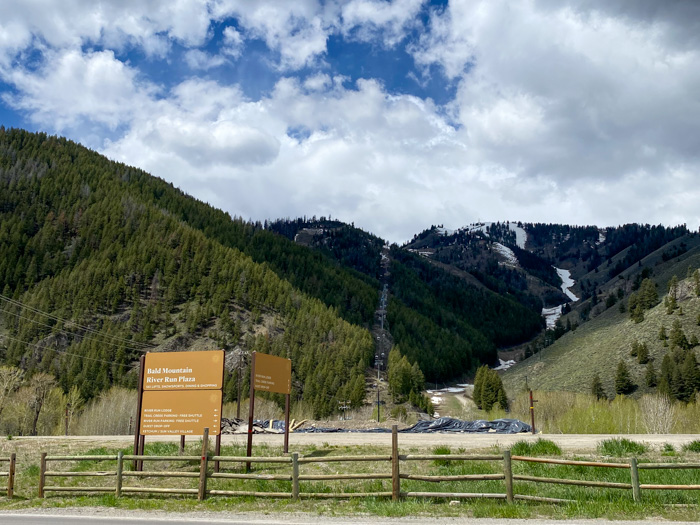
[143,346]
[36,345]
[69,333]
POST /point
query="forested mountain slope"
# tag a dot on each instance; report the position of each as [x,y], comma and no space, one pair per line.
[444,323]
[79,239]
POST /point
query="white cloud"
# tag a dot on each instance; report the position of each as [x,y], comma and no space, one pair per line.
[113,23]
[201,60]
[385,21]
[581,112]
[233,42]
[71,87]
[296,30]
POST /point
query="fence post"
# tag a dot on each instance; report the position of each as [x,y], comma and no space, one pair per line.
[508,473]
[203,466]
[634,474]
[295,476]
[120,469]
[395,474]
[42,474]
[11,476]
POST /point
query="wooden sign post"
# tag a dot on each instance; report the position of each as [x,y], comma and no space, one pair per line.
[180,393]
[269,374]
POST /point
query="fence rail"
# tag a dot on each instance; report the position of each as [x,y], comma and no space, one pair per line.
[9,489]
[394,461]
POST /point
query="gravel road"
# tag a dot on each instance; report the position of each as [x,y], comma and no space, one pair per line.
[583,443]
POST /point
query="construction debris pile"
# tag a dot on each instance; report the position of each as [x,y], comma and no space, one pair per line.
[266,426]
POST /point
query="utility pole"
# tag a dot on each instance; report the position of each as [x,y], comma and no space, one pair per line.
[378,364]
[532,413]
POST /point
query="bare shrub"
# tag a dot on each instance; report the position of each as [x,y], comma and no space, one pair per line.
[658,413]
[109,414]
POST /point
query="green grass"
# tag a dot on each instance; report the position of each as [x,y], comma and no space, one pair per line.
[621,447]
[693,446]
[442,450]
[541,447]
[590,502]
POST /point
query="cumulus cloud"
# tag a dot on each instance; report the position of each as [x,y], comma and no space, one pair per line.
[71,87]
[581,111]
[369,20]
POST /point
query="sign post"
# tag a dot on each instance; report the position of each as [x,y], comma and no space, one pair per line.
[269,373]
[180,393]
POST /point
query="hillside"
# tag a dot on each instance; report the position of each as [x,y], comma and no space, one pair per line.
[444,322]
[119,273]
[598,345]
[101,262]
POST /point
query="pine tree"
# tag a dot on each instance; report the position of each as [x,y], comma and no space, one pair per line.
[597,388]
[677,337]
[650,375]
[642,354]
[623,382]
[690,378]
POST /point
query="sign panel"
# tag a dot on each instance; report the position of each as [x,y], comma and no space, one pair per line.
[272,374]
[184,370]
[182,412]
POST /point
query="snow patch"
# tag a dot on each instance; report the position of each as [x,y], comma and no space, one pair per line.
[566,283]
[507,253]
[601,238]
[551,315]
[520,234]
[504,365]
[445,231]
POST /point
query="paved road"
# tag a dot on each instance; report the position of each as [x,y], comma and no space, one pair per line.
[90,517]
[585,443]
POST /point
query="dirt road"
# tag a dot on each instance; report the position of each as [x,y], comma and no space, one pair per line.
[581,443]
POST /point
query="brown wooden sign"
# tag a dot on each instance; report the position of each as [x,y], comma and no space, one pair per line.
[181,412]
[272,374]
[184,370]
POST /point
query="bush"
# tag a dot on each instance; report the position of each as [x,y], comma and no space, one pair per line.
[443,451]
[541,447]
[620,447]
[693,446]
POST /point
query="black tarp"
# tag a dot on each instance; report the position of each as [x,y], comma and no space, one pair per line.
[443,424]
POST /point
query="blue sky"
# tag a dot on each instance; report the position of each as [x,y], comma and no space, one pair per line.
[394,115]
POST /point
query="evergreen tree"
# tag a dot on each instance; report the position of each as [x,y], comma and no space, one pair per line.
[597,388]
[650,375]
[623,382]
[690,378]
[488,389]
[677,337]
[642,354]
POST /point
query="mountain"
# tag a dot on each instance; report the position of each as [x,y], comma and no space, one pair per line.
[440,320]
[101,261]
[590,329]
[610,334]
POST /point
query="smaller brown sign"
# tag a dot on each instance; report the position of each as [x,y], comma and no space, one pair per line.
[181,412]
[272,374]
[184,370]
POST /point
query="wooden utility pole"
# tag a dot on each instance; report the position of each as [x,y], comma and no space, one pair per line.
[532,413]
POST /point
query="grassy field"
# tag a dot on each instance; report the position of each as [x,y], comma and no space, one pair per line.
[590,502]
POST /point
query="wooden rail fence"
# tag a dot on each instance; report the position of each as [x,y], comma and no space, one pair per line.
[9,489]
[294,476]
